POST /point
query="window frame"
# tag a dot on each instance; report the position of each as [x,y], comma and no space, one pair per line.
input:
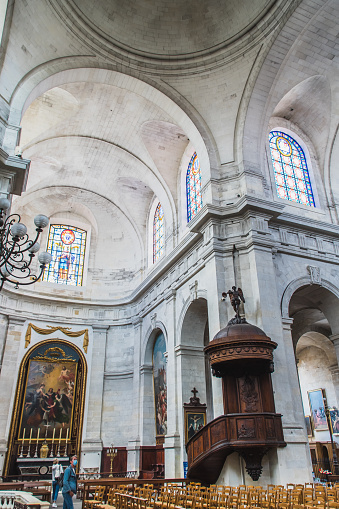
[75,224]
[314,184]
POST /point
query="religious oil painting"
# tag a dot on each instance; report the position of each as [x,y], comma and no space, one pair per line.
[48,399]
[194,422]
[317,407]
[160,385]
[334,413]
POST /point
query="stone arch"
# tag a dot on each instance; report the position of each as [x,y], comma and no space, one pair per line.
[192,362]
[294,285]
[50,352]
[196,300]
[50,75]
[147,402]
[150,338]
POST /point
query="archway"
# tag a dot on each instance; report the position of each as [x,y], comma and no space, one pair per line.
[195,368]
[48,409]
[312,308]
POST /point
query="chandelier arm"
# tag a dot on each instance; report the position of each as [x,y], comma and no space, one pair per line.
[5,259]
[29,242]
[34,279]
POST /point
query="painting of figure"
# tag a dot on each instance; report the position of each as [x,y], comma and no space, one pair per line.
[334,413]
[195,421]
[160,385]
[48,399]
[317,407]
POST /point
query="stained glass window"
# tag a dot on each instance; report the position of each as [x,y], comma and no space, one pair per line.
[160,384]
[67,246]
[291,174]
[193,187]
[158,233]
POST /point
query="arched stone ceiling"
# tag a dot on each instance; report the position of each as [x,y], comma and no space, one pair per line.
[159,27]
[308,105]
[317,340]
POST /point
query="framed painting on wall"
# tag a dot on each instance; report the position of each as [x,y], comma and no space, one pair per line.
[317,407]
[194,415]
[334,413]
[194,422]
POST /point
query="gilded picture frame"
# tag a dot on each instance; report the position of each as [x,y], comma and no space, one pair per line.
[317,407]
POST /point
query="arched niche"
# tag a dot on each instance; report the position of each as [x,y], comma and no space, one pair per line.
[49,402]
[195,368]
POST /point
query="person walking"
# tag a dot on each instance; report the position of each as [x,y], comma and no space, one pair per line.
[56,472]
[69,487]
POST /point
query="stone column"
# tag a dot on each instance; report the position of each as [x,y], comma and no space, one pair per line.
[92,442]
[335,340]
[8,380]
[173,468]
[133,448]
[190,373]
[334,370]
[147,410]
[263,309]
[219,274]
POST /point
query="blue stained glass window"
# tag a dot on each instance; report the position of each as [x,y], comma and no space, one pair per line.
[67,246]
[291,174]
[193,187]
[158,233]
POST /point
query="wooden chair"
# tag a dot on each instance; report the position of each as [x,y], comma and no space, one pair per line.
[98,496]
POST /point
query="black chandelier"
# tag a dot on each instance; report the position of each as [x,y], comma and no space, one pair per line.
[17,250]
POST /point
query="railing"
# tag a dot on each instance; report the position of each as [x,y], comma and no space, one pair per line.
[20,500]
[209,447]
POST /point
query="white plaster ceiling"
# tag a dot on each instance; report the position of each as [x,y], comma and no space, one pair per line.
[104,152]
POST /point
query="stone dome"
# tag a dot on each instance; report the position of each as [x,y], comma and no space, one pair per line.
[169,29]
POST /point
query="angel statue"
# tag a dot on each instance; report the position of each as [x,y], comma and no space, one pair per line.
[236,296]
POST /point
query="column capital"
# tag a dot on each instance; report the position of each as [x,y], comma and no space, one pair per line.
[16,320]
[287,322]
[100,327]
[137,321]
[146,369]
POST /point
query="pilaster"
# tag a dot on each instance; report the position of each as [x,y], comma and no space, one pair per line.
[173,467]
[133,448]
[8,379]
[92,442]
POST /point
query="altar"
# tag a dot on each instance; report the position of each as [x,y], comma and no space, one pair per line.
[39,468]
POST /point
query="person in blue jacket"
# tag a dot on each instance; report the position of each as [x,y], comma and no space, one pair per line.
[69,487]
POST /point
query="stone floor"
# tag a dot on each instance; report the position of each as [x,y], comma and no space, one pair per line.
[77,504]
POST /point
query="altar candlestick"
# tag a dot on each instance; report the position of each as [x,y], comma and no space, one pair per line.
[28,455]
[22,445]
[51,455]
[65,453]
[58,454]
[37,443]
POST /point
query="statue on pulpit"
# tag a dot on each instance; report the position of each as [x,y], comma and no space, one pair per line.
[236,297]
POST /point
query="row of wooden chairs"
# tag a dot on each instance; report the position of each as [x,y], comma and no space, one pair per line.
[195,496]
